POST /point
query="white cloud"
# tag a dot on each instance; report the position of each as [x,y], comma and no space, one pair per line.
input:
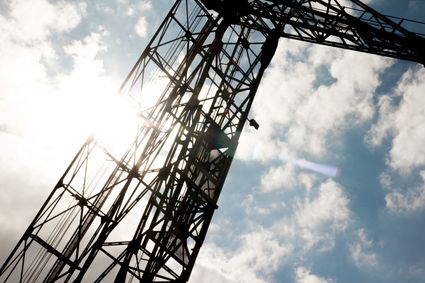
[384,126]
[87,48]
[131,9]
[27,88]
[258,255]
[299,112]
[27,24]
[252,207]
[257,145]
[317,219]
[262,252]
[145,5]
[304,275]
[330,206]
[360,251]
[289,175]
[410,200]
[26,40]
[402,121]
[141,27]
[88,66]
[404,124]
[385,180]
[282,177]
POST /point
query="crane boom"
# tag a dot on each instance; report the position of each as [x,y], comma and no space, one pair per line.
[328,22]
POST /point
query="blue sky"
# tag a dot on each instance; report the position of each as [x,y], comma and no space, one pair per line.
[277,221]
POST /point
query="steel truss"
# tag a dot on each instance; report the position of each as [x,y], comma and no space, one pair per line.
[142,211]
[328,22]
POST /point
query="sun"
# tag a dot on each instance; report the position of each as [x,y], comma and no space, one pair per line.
[75,110]
[116,123]
[59,118]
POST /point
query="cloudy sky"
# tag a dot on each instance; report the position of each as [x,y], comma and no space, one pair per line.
[285,214]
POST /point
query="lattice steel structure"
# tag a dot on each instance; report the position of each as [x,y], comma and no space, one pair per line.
[141,211]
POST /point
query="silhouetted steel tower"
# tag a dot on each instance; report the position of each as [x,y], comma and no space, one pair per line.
[141,212]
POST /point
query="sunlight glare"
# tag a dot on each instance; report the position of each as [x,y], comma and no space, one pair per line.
[95,107]
[116,123]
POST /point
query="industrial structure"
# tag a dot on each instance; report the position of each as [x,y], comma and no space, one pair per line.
[141,211]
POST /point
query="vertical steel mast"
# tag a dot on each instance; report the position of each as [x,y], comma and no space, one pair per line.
[141,211]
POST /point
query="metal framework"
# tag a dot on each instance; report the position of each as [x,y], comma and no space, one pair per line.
[141,211]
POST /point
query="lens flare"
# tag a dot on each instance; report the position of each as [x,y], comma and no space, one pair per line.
[326,170]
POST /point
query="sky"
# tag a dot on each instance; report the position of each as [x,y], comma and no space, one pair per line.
[330,188]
